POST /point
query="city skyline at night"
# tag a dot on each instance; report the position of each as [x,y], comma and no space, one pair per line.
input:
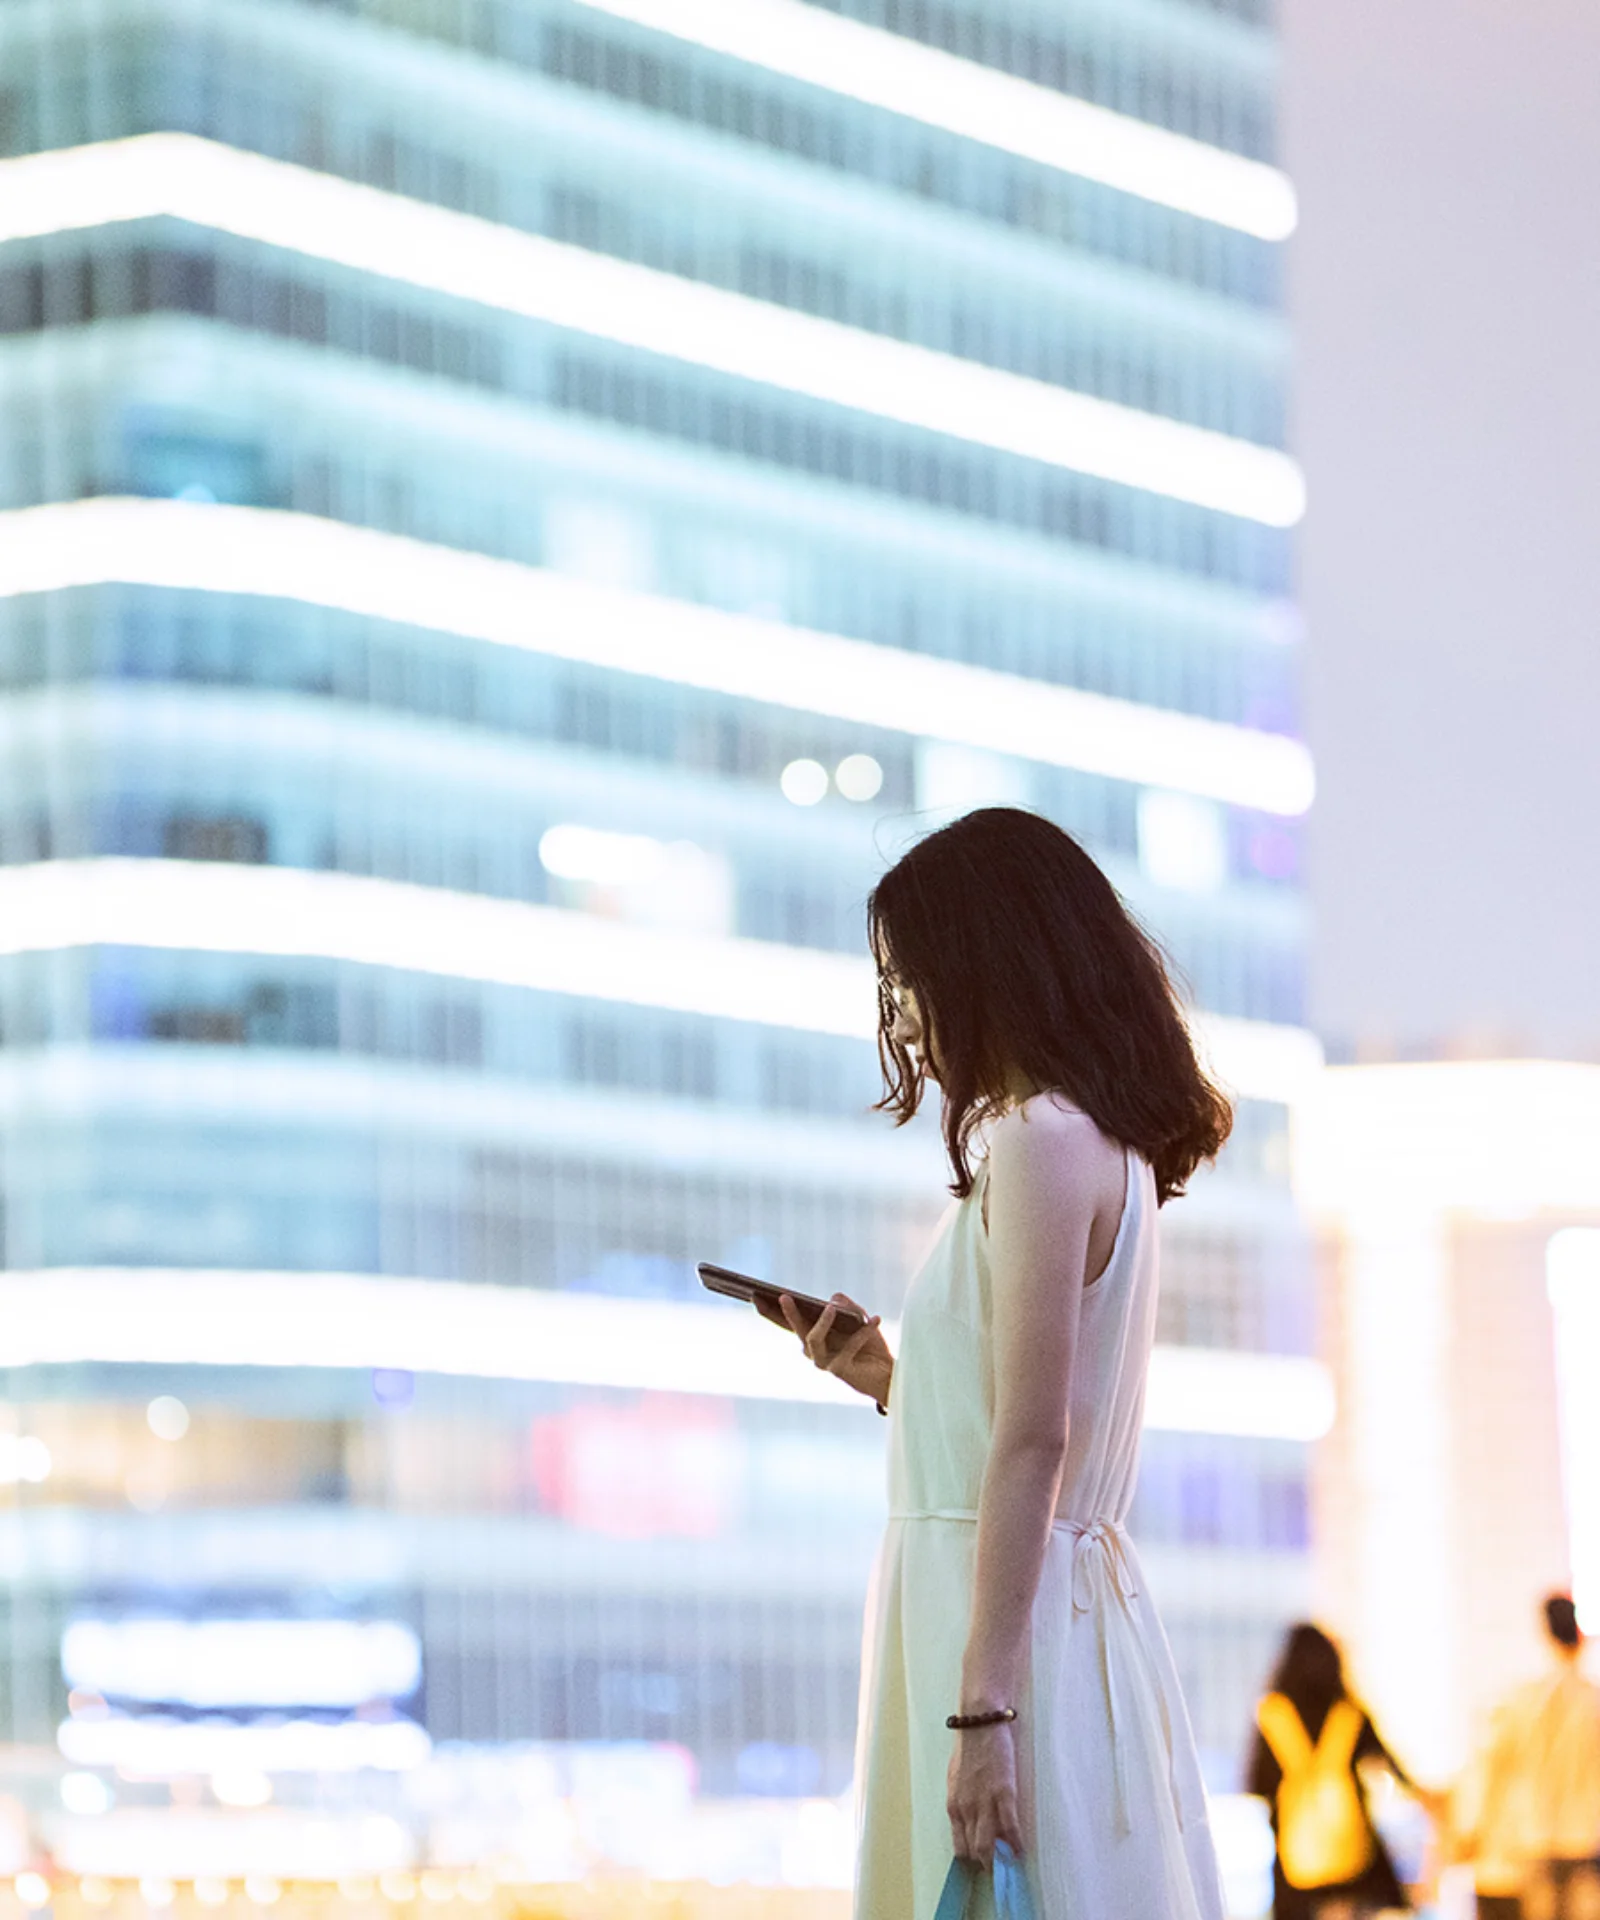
[512,513]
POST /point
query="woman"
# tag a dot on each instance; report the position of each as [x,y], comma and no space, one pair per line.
[1008,1593]
[1308,1710]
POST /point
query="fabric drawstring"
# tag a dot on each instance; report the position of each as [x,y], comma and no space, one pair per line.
[1103,1547]
[1110,1536]
[1100,1548]
[1101,1559]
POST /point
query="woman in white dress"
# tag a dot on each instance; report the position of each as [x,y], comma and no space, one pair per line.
[1008,1596]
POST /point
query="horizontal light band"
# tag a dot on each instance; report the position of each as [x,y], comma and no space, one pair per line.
[158,1749]
[1259,1059]
[1249,1395]
[160,1317]
[458,254]
[221,1663]
[178,1317]
[879,69]
[384,576]
[1406,1139]
[190,906]
[197,908]
[199,1843]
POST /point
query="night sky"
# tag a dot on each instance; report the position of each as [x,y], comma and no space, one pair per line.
[1446,296]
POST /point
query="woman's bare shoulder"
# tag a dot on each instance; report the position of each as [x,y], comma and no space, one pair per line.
[1050,1134]
[1051,1169]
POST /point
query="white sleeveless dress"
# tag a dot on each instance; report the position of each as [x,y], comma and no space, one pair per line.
[1113,1808]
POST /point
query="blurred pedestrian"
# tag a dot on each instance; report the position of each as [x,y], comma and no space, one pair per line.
[1527,1813]
[1311,1737]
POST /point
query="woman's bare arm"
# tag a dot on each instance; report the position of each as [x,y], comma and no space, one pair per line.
[1051,1171]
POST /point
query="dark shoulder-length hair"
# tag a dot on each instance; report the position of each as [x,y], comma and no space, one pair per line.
[1310,1674]
[1025,962]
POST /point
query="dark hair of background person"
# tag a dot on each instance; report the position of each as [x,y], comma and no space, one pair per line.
[1024,960]
[1310,1675]
[1561,1617]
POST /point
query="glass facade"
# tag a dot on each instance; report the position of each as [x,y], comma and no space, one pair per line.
[632,1612]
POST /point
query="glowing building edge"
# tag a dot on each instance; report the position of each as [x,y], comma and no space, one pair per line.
[363,228]
[1388,1143]
[384,576]
[1572,1264]
[888,70]
[182,1317]
[184,906]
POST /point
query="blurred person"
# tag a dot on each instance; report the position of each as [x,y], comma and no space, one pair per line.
[1527,1813]
[1330,1862]
[1009,1604]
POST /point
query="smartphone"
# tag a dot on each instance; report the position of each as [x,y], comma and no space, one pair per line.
[764,1297]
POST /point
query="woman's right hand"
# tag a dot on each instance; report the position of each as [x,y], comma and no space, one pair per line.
[861,1360]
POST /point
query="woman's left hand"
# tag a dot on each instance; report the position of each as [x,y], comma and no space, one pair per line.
[981,1794]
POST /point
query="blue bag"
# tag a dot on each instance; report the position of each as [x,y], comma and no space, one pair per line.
[1012,1900]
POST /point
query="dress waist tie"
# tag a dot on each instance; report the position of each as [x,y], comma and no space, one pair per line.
[1101,1558]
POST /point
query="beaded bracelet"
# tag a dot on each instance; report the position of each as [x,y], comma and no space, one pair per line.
[961,1722]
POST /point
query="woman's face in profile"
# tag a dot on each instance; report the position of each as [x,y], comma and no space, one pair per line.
[910,1029]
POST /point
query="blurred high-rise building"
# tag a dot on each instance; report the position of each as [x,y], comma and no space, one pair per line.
[511,511]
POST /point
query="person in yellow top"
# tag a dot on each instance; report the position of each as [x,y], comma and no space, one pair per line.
[1311,1736]
[1527,1812]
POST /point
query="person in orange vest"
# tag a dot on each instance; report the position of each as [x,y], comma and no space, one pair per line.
[1527,1813]
[1331,1863]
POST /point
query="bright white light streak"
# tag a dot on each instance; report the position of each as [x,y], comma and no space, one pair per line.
[1258,1060]
[216,1850]
[196,907]
[384,576]
[190,907]
[357,1322]
[887,70]
[154,1748]
[245,1789]
[1481,1137]
[23,1456]
[603,858]
[1255,1395]
[183,1317]
[1572,1265]
[458,254]
[243,1663]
